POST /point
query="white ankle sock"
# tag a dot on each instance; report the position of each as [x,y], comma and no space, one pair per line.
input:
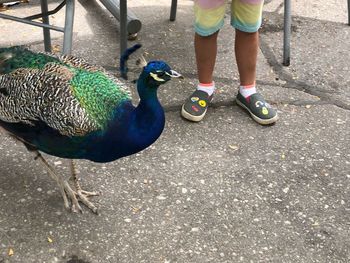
[207,87]
[247,90]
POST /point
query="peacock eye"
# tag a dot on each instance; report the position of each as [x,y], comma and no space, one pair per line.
[160,73]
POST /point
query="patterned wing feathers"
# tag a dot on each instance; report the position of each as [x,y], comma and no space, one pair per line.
[65,92]
[34,95]
[50,95]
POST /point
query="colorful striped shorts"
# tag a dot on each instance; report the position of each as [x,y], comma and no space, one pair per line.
[209,15]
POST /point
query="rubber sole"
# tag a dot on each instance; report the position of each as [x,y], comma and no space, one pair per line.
[190,117]
[256,118]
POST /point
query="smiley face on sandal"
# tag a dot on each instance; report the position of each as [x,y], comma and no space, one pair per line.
[194,99]
[202,103]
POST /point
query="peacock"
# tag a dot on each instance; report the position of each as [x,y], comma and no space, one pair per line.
[63,106]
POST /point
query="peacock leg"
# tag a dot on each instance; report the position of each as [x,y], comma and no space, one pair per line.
[65,189]
[55,177]
[83,195]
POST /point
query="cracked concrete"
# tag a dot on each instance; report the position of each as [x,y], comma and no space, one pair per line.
[223,190]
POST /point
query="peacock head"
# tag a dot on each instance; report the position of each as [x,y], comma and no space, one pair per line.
[156,73]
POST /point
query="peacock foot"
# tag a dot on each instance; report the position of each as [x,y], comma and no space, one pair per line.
[71,198]
[76,196]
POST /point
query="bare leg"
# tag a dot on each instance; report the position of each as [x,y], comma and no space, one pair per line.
[206,49]
[246,50]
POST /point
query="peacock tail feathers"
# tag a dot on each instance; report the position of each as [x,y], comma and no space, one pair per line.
[124,58]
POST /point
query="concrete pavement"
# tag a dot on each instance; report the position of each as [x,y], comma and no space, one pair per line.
[223,190]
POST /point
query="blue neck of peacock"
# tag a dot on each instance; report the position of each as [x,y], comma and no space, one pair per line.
[147,120]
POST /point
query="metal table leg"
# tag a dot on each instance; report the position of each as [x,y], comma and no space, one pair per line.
[123,26]
[67,30]
[68,27]
[349,12]
[287,32]
[173,10]
[46,31]
[123,29]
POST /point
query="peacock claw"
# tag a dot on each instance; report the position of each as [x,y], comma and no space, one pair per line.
[76,197]
[83,196]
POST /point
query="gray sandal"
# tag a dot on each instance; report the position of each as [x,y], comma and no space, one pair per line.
[195,107]
[258,108]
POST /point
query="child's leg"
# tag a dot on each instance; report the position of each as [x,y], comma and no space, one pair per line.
[209,16]
[246,18]
[246,50]
[205,48]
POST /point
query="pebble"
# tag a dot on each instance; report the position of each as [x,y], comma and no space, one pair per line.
[286,190]
[161,197]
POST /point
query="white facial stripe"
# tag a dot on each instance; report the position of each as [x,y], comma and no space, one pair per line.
[155,76]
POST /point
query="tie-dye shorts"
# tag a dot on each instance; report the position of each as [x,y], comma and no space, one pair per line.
[209,15]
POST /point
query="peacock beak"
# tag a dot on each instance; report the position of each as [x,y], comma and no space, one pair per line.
[174,74]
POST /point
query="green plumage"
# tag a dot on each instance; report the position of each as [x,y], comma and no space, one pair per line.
[97,94]
[27,59]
